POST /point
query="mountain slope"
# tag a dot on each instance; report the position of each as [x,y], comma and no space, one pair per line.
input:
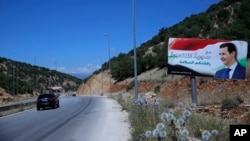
[19,78]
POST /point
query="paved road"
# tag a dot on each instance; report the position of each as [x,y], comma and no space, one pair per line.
[77,119]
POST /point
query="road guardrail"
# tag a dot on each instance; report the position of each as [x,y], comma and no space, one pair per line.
[16,107]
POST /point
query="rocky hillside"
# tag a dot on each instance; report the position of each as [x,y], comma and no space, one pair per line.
[158,81]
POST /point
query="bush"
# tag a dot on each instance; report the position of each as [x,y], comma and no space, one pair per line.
[157,89]
[130,86]
[228,103]
[248,115]
[239,99]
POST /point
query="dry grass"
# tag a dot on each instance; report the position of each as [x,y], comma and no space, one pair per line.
[145,117]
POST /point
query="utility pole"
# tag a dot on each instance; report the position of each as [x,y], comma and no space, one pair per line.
[102,79]
[34,83]
[13,79]
[134,43]
[110,74]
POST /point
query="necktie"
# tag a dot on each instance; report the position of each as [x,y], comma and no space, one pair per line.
[227,72]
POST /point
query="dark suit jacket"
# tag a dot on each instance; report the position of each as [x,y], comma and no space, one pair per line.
[239,73]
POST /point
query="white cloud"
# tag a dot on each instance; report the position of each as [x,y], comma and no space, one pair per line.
[88,69]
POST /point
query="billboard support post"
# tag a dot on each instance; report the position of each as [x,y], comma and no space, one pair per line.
[193,89]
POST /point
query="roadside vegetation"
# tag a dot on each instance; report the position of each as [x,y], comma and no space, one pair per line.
[161,120]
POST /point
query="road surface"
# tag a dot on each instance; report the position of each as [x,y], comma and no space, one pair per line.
[93,118]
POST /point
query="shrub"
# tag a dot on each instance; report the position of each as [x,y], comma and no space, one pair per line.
[228,103]
[239,99]
[248,115]
[130,85]
[157,89]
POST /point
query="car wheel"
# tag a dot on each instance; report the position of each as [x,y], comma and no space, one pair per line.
[38,108]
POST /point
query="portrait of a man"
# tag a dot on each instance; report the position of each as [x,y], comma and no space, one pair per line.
[233,69]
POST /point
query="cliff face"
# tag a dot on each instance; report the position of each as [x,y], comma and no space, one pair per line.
[100,83]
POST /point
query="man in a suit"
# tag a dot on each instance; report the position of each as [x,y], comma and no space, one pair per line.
[233,70]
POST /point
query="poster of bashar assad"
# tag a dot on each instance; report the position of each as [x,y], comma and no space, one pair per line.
[221,59]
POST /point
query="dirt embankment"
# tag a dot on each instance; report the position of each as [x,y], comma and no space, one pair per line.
[164,85]
[177,88]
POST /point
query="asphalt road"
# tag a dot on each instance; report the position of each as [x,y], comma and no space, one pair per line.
[78,119]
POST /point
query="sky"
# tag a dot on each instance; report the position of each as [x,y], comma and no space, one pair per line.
[69,35]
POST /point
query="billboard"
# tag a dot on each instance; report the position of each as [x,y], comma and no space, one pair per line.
[222,59]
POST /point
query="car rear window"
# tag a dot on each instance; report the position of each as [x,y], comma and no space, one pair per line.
[45,95]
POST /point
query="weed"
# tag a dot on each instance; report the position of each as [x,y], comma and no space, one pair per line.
[157,89]
[228,103]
